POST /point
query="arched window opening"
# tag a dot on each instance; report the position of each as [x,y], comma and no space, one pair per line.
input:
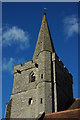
[32,77]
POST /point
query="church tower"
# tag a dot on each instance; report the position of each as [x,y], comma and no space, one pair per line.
[43,84]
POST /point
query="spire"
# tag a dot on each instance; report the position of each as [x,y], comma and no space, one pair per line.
[44,41]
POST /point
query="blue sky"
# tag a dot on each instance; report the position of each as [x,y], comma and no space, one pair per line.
[21,24]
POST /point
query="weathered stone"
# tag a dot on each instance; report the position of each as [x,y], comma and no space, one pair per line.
[49,93]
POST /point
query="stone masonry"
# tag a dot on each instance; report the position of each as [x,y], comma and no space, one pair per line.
[41,85]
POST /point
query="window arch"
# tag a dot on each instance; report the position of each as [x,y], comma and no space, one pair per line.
[32,77]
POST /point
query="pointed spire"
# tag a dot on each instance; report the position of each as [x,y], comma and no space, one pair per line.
[44,41]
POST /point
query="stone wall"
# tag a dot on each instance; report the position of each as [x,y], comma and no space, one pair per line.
[23,90]
[44,61]
[49,93]
[64,85]
[21,107]
[40,91]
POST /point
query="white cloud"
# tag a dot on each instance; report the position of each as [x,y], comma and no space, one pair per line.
[71,26]
[16,36]
[8,64]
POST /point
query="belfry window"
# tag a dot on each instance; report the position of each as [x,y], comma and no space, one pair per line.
[32,77]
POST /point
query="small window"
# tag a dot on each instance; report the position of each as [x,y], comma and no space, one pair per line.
[41,76]
[30,101]
[32,77]
[41,100]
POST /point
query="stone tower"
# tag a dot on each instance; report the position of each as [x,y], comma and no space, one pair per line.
[41,85]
